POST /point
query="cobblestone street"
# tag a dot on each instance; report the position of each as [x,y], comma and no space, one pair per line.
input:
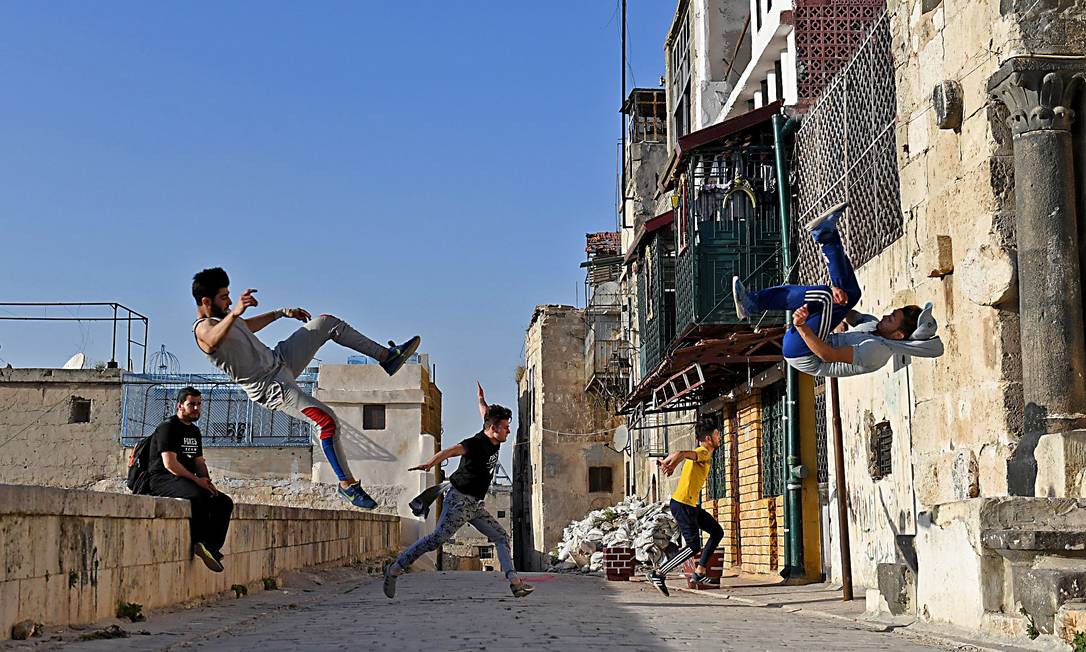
[473,611]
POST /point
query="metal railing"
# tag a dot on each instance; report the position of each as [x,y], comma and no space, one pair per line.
[121,313]
[228,417]
[605,361]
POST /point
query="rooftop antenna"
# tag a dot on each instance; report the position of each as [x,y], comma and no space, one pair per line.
[165,363]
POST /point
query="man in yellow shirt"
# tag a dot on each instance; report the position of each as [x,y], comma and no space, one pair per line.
[692,519]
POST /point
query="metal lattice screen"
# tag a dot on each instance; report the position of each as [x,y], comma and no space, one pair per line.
[820,430]
[845,150]
[228,417]
[826,34]
[773,415]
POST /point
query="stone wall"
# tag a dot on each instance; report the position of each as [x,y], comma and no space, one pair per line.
[42,440]
[559,449]
[956,419]
[70,556]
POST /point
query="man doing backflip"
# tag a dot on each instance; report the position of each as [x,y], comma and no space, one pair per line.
[268,375]
[811,345]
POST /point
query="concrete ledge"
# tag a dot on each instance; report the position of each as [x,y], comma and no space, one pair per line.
[68,557]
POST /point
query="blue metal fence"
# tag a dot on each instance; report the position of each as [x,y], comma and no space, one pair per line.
[228,417]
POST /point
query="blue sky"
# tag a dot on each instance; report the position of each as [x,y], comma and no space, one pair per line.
[430,170]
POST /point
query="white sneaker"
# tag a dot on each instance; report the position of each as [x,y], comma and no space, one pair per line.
[835,212]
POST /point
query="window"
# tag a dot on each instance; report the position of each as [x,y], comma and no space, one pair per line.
[773,416]
[649,289]
[80,410]
[683,214]
[501,513]
[778,74]
[718,477]
[679,55]
[880,457]
[485,552]
[599,479]
[373,417]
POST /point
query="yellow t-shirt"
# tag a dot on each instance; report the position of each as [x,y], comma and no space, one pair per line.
[693,477]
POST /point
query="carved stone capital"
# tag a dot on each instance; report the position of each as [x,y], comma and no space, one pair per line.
[1038,91]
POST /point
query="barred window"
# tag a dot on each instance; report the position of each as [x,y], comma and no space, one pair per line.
[718,475]
[881,454]
[820,429]
[773,414]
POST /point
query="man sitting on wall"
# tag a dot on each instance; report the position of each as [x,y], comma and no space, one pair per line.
[811,345]
[177,470]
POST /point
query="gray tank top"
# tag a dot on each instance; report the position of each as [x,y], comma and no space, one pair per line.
[244,358]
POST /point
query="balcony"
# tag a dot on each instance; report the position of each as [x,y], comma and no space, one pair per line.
[606,364]
[727,224]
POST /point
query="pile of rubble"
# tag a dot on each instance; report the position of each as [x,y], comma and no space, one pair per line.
[648,528]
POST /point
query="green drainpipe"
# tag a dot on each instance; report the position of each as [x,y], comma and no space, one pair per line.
[794,471]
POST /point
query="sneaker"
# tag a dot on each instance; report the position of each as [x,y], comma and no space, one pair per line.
[390,583]
[521,590]
[697,579]
[827,221]
[398,354]
[218,555]
[657,580]
[202,551]
[744,304]
[357,496]
[418,509]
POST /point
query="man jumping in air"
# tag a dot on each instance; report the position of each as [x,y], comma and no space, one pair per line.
[811,345]
[420,504]
[464,501]
[689,516]
[268,375]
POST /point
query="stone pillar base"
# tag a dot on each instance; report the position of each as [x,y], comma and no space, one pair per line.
[1061,465]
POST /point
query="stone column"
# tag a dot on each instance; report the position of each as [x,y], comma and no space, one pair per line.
[1038,92]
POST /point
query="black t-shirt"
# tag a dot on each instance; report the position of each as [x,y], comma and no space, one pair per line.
[477,466]
[175,436]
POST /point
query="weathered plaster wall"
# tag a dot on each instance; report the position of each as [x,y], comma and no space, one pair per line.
[38,445]
[561,453]
[380,458]
[955,419]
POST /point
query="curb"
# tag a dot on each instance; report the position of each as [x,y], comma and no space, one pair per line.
[870,624]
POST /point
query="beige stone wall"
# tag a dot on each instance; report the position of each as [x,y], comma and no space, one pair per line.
[560,451]
[38,445]
[955,419]
[70,556]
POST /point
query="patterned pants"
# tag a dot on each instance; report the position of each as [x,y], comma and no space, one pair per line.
[457,510]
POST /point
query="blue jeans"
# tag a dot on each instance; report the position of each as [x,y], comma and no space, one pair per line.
[458,510]
[817,297]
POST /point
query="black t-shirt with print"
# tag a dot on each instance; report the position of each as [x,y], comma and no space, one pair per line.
[477,466]
[175,436]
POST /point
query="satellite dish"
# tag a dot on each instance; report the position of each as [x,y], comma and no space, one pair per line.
[75,362]
[621,439]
